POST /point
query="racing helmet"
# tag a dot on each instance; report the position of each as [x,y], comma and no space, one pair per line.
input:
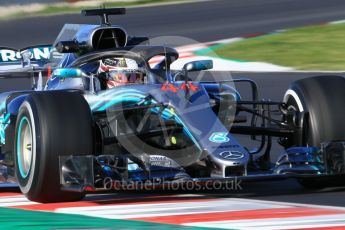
[121,71]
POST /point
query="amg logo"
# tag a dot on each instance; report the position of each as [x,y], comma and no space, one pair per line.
[7,55]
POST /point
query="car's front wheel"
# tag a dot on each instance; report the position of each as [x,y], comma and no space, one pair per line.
[322,100]
[49,125]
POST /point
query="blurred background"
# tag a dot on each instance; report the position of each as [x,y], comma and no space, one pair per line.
[5,2]
[279,35]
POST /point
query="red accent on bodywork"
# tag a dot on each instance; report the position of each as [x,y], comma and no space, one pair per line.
[169,87]
[190,86]
[49,74]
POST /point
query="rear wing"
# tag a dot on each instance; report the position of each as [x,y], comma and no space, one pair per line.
[11,58]
[32,62]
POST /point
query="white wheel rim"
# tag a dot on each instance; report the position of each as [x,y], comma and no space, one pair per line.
[24,147]
[294,95]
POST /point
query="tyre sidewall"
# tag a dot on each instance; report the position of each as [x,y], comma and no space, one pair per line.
[320,99]
[62,125]
[29,182]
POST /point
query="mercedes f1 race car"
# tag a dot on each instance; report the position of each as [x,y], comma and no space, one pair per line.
[107,116]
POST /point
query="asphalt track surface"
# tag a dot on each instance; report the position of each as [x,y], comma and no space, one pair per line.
[207,21]
[203,21]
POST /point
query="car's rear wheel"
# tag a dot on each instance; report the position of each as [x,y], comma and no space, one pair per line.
[49,125]
[322,99]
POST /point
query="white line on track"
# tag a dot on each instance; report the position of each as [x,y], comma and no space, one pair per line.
[292,204]
[15,201]
[169,209]
[277,223]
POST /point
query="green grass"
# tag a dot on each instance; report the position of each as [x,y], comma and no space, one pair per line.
[56,9]
[309,48]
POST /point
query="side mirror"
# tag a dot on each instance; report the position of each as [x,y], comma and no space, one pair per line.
[67,73]
[67,47]
[198,65]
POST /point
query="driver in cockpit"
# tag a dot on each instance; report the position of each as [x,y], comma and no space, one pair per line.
[114,72]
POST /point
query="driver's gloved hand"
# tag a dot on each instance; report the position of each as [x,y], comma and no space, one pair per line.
[103,76]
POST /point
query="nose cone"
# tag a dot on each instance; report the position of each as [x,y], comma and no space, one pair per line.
[223,150]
